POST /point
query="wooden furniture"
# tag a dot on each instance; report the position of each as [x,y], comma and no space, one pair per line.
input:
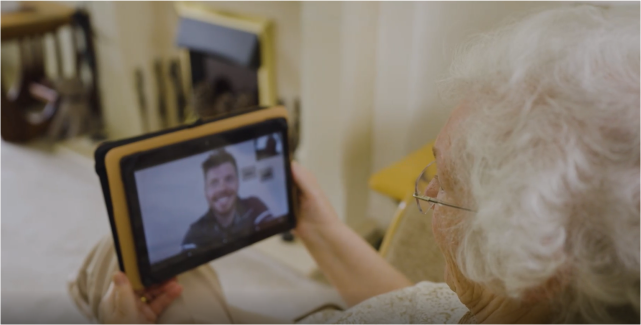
[35,18]
[31,104]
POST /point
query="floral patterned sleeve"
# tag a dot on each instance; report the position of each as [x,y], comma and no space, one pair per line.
[424,303]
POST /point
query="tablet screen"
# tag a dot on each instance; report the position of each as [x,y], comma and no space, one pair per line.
[212,198]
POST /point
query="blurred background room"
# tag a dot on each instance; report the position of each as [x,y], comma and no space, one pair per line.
[359,79]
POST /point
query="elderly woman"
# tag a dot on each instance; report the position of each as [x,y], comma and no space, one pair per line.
[535,203]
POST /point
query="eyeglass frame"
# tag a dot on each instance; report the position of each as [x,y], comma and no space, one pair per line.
[430,199]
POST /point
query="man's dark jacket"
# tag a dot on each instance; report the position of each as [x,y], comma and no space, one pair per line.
[251,213]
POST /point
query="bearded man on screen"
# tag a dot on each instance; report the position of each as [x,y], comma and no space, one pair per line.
[229,216]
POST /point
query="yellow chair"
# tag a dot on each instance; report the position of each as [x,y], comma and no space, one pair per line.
[397,180]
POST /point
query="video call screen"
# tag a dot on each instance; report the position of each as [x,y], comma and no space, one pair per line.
[212,198]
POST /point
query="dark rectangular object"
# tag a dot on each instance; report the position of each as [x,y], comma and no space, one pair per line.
[152,273]
[101,169]
[172,266]
[233,45]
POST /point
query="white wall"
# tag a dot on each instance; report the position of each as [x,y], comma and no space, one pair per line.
[368,84]
[338,76]
[358,71]
[320,90]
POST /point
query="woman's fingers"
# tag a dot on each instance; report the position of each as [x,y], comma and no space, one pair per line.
[125,298]
[303,178]
[164,299]
[122,305]
[159,297]
[152,292]
[147,313]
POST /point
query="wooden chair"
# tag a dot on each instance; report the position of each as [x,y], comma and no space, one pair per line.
[31,104]
[27,26]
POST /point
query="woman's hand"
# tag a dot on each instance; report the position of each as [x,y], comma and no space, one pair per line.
[121,305]
[315,211]
[351,264]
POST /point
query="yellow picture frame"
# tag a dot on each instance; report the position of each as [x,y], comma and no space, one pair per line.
[262,27]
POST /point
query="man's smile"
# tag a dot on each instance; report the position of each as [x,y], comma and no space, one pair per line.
[224,199]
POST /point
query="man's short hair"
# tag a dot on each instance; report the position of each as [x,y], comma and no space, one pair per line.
[218,158]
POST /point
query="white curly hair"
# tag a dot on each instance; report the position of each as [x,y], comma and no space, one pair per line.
[550,156]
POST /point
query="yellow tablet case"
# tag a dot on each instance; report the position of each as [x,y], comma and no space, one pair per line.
[111,176]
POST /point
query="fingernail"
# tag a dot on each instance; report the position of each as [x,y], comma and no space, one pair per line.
[120,279]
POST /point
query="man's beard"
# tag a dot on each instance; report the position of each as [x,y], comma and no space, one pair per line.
[226,198]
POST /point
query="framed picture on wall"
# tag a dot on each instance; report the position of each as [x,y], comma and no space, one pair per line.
[229,60]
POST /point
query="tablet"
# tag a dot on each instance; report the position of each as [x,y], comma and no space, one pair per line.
[183,197]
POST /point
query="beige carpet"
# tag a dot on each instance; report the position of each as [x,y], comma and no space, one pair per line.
[53,212]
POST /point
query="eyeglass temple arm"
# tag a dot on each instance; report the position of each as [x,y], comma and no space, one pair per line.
[429,199]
